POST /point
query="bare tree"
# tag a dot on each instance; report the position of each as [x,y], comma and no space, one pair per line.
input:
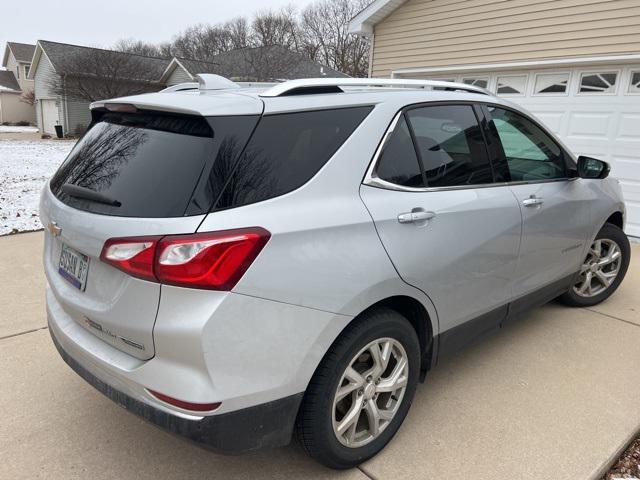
[239,33]
[138,47]
[95,74]
[325,37]
[275,28]
[28,97]
[319,32]
[202,42]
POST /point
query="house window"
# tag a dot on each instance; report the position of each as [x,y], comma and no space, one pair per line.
[481,82]
[26,70]
[634,86]
[548,83]
[18,72]
[512,85]
[604,82]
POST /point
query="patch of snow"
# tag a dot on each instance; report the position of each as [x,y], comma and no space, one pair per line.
[25,166]
[7,89]
[12,129]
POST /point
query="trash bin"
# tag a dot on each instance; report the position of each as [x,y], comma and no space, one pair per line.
[58,131]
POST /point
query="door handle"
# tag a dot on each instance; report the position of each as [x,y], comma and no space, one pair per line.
[415,216]
[532,201]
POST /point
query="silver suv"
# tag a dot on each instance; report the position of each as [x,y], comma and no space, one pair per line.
[236,265]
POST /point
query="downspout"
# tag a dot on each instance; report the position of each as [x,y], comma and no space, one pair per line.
[65,106]
[372,37]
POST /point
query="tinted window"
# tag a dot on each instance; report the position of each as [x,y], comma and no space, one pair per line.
[285,151]
[150,164]
[398,162]
[450,145]
[531,154]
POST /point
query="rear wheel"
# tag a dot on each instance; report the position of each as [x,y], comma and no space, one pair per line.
[361,391]
[603,269]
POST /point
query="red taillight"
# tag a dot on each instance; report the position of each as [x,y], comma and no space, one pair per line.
[208,260]
[194,407]
[133,255]
[215,260]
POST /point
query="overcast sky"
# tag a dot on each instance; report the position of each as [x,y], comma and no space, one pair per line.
[100,23]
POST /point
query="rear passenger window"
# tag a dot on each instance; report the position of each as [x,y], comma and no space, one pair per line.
[450,145]
[399,163]
[285,151]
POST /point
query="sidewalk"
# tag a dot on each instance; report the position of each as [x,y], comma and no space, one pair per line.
[554,396]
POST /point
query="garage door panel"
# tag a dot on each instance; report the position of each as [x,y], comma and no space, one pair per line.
[626,168]
[629,127]
[553,120]
[590,125]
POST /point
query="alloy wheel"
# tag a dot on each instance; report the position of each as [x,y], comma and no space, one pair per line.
[370,392]
[599,269]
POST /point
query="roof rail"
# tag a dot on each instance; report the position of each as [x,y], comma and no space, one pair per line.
[325,85]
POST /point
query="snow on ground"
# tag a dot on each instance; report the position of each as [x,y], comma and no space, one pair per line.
[11,129]
[24,168]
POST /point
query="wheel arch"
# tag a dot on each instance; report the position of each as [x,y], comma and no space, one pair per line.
[617,219]
[418,316]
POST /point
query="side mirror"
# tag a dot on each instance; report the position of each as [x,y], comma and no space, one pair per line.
[592,168]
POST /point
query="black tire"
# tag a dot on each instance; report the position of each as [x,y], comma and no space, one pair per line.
[314,426]
[608,232]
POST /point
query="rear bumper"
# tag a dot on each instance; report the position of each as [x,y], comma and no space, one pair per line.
[267,425]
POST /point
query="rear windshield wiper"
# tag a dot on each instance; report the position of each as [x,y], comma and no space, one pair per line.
[88,194]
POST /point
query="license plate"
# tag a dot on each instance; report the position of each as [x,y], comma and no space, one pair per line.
[73,267]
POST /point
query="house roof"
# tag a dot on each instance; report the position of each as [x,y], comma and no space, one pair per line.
[269,63]
[255,64]
[372,14]
[64,59]
[23,52]
[8,81]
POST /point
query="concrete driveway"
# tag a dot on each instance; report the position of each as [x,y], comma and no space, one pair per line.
[554,396]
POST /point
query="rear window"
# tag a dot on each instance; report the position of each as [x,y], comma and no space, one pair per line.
[286,151]
[149,165]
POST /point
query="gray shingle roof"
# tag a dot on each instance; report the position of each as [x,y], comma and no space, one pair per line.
[77,60]
[8,80]
[22,51]
[261,64]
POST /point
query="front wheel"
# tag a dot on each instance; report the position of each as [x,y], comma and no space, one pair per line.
[362,390]
[603,269]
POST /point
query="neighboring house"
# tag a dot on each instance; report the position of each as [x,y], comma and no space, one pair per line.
[56,65]
[259,64]
[14,83]
[576,65]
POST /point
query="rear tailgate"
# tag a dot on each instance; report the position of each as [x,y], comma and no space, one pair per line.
[118,308]
[133,174]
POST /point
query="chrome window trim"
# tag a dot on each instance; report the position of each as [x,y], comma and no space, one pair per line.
[372,180]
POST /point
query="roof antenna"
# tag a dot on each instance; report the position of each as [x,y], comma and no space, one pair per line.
[210,81]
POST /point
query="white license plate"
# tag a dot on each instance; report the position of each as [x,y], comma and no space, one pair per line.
[73,267]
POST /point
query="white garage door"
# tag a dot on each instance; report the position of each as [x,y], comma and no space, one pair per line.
[49,114]
[595,110]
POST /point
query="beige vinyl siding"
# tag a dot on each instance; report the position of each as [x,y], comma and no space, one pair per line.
[433,33]
[179,75]
[13,110]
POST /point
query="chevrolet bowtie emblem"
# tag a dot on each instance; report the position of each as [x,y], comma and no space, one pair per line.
[54,229]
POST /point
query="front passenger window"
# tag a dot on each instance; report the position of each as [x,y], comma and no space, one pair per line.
[531,154]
